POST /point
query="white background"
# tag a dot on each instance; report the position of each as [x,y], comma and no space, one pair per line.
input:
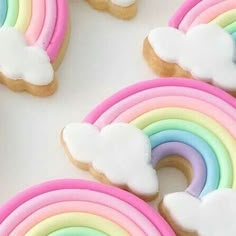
[104,55]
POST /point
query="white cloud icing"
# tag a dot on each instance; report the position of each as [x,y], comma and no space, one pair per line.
[215,214]
[20,61]
[207,51]
[120,151]
[123,3]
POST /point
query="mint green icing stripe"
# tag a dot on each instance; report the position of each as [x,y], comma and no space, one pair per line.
[77,231]
[12,14]
[231,28]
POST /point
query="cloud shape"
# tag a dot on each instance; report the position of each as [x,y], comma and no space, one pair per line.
[207,51]
[20,61]
[215,214]
[120,151]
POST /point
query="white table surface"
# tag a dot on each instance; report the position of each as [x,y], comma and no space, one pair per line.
[105,55]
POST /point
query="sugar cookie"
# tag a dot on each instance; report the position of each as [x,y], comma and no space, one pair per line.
[33,38]
[214,214]
[188,118]
[77,207]
[205,52]
[124,9]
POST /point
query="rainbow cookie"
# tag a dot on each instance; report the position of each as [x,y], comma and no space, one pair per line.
[76,207]
[33,38]
[124,9]
[195,12]
[205,52]
[213,214]
[187,118]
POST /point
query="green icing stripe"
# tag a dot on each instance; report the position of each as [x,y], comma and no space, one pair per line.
[77,231]
[231,28]
[12,15]
[62,221]
[226,18]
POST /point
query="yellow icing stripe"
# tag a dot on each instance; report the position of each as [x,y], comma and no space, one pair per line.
[24,16]
[78,219]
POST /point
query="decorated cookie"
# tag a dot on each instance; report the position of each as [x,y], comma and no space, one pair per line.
[213,214]
[124,9]
[205,52]
[76,207]
[141,127]
[194,12]
[33,39]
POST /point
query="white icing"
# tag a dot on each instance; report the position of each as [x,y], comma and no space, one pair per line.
[215,214]
[207,51]
[123,3]
[19,61]
[120,151]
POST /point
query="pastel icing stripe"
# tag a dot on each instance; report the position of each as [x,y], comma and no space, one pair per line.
[176,113]
[37,21]
[3,12]
[76,207]
[12,13]
[195,12]
[45,23]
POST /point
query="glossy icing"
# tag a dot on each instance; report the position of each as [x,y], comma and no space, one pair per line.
[123,3]
[206,51]
[214,214]
[195,12]
[180,112]
[43,22]
[17,60]
[115,150]
[74,206]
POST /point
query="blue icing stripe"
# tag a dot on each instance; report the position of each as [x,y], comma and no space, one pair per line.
[213,169]
[3,11]
[234,36]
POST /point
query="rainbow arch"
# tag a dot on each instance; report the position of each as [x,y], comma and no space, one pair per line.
[76,207]
[189,118]
[45,23]
[195,12]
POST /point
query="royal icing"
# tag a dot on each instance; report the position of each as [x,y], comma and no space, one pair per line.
[44,23]
[19,61]
[76,206]
[123,3]
[195,12]
[115,150]
[214,214]
[184,117]
[206,51]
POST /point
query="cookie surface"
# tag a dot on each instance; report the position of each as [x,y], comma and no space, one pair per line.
[205,52]
[35,34]
[188,118]
[124,9]
[76,207]
[206,216]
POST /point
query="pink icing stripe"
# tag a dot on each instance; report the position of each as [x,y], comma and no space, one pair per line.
[46,199]
[49,24]
[214,11]
[144,85]
[215,113]
[79,206]
[195,12]
[37,21]
[182,11]
[60,29]
[111,114]
[146,210]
